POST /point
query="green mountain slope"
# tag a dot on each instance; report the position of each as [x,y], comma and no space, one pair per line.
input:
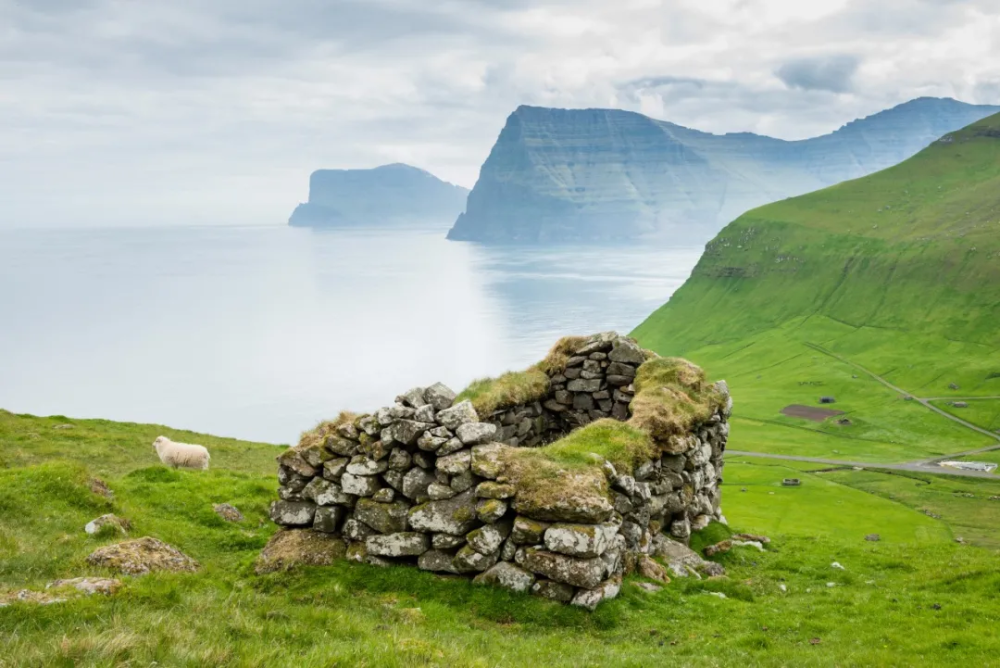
[897,274]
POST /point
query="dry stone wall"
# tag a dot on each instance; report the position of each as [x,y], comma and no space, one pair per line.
[427,482]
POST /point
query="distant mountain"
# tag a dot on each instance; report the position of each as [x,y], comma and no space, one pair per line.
[391,194]
[606,174]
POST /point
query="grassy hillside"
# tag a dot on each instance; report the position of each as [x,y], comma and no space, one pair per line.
[914,598]
[896,274]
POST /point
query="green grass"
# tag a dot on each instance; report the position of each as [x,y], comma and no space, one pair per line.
[982,412]
[620,443]
[896,272]
[881,611]
[510,389]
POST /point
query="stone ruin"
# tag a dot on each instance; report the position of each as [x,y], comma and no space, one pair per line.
[569,476]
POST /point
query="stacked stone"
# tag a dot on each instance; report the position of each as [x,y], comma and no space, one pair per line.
[596,383]
[422,482]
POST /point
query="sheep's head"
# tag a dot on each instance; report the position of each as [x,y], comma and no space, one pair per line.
[160,440]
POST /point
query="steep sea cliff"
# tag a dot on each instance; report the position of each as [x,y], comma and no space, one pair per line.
[606,175]
[394,193]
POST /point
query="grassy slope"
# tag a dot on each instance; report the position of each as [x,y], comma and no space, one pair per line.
[879,613]
[896,272]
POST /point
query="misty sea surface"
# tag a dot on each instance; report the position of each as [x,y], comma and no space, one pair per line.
[260,332]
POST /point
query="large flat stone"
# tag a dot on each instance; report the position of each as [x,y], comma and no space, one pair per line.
[580,540]
[405,544]
[456,516]
[456,463]
[474,433]
[586,573]
[359,485]
[589,598]
[382,517]
[293,513]
[508,576]
[459,414]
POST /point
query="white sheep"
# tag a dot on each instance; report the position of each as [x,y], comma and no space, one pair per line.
[184,455]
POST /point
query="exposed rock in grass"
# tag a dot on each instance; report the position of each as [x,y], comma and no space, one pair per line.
[141,556]
[589,598]
[88,585]
[99,487]
[293,547]
[228,512]
[648,568]
[108,523]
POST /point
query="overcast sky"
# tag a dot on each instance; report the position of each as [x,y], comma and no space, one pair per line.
[215,111]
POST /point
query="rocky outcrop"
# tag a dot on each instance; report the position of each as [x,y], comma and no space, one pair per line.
[388,195]
[431,483]
[606,175]
[142,556]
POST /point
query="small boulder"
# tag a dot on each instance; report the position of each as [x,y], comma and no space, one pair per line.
[490,510]
[459,414]
[554,591]
[88,586]
[648,568]
[456,463]
[291,547]
[436,560]
[580,540]
[468,560]
[405,544]
[382,517]
[439,396]
[584,573]
[118,524]
[328,518]
[873,538]
[474,433]
[228,512]
[454,516]
[141,556]
[359,485]
[416,483]
[508,576]
[293,513]
[589,598]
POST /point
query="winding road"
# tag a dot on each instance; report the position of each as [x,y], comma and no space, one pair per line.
[920,466]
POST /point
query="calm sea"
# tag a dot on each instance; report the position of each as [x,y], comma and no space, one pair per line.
[259,333]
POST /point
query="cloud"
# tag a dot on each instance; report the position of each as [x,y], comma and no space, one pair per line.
[121,112]
[830,73]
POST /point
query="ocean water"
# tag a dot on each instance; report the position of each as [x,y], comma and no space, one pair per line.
[259,333]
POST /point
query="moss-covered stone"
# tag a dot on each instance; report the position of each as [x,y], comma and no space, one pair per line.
[671,396]
[292,547]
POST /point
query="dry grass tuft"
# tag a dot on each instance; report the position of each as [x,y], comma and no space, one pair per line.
[318,434]
[555,361]
[512,388]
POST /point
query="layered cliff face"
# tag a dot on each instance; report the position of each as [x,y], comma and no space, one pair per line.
[391,194]
[607,175]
